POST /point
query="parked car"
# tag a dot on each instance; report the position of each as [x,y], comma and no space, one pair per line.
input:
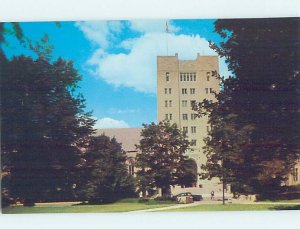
[195,197]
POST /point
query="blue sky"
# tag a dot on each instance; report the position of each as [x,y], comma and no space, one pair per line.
[117,60]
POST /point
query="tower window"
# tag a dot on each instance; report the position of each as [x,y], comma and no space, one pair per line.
[193,142]
[170,103]
[166,103]
[184,103]
[167,76]
[207,76]
[166,90]
[192,90]
[206,90]
[193,128]
[168,116]
[193,116]
[193,103]
[184,116]
[170,90]
[296,174]
[211,90]
[185,129]
[184,91]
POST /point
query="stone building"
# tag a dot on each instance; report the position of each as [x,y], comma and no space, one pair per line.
[129,138]
[181,84]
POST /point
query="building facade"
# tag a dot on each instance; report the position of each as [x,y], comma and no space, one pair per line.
[181,84]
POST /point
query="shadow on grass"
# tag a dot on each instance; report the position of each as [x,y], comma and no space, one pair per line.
[278,207]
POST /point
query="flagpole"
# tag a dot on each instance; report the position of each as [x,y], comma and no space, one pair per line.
[167,30]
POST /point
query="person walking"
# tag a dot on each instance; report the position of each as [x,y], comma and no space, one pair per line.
[212,194]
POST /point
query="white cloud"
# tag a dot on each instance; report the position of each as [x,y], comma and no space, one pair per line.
[110,123]
[100,32]
[137,67]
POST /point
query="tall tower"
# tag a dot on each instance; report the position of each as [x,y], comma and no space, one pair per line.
[180,84]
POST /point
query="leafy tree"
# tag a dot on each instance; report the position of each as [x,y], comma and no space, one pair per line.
[41,48]
[44,127]
[106,177]
[189,174]
[162,149]
[255,124]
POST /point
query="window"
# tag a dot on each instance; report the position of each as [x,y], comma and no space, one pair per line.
[166,90]
[131,169]
[193,103]
[170,103]
[192,90]
[206,90]
[184,116]
[184,91]
[193,142]
[181,77]
[168,116]
[211,90]
[185,129]
[193,116]
[193,128]
[170,90]
[184,103]
[295,174]
[184,77]
[207,76]
[167,76]
[187,76]
[166,103]
[194,76]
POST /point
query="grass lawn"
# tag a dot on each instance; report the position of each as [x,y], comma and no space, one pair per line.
[120,206]
[238,207]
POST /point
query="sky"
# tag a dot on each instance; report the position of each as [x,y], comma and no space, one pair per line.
[117,60]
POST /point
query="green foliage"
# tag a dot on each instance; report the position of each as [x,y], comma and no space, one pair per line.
[106,177]
[162,149]
[44,126]
[188,177]
[254,140]
[41,48]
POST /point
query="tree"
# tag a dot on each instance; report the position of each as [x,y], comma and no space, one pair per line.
[162,149]
[255,124]
[189,175]
[41,48]
[44,127]
[106,177]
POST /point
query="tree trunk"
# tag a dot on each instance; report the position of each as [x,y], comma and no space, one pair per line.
[166,192]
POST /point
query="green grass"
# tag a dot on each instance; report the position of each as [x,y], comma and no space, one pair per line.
[237,207]
[120,206]
[127,205]
[281,201]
